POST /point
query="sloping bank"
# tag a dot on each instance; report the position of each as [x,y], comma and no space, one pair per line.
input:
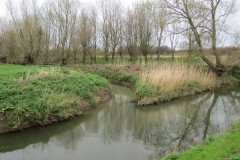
[172,80]
[156,83]
[225,146]
[49,96]
[125,75]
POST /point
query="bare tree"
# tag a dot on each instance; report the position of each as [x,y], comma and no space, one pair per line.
[30,32]
[47,20]
[2,31]
[144,21]
[105,11]
[85,35]
[130,33]
[66,14]
[160,22]
[115,16]
[94,23]
[173,38]
[209,16]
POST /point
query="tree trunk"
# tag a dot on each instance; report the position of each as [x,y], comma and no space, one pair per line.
[173,54]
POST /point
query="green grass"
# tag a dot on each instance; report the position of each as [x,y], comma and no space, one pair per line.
[223,147]
[10,71]
[53,93]
[116,74]
[151,58]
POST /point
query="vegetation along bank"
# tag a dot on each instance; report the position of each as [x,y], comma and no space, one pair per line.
[225,146]
[48,95]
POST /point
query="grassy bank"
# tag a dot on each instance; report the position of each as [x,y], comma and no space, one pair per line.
[169,81]
[48,95]
[225,146]
[124,75]
[158,82]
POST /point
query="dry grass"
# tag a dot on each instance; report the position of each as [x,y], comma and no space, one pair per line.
[170,76]
[41,73]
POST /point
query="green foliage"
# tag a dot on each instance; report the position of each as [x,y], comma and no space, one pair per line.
[235,157]
[173,157]
[235,72]
[121,76]
[146,93]
[147,90]
[56,94]
[190,85]
[116,75]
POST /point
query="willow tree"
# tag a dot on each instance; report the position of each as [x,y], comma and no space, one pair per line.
[94,38]
[160,24]
[65,13]
[105,13]
[28,28]
[145,31]
[85,35]
[115,26]
[206,18]
[130,33]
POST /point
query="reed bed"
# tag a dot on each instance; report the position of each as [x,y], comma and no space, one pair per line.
[163,82]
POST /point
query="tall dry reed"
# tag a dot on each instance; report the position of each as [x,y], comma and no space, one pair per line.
[171,75]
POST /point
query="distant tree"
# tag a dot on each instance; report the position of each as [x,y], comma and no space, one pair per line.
[94,39]
[173,38]
[85,35]
[105,13]
[160,23]
[145,30]
[130,33]
[29,30]
[115,26]
[65,12]
[207,16]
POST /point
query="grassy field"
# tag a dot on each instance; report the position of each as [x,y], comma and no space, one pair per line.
[222,147]
[46,95]
[151,59]
[10,71]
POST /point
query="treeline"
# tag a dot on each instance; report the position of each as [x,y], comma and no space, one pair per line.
[63,31]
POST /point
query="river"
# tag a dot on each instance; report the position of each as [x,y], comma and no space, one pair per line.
[118,130]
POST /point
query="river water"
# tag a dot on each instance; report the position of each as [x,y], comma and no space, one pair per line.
[118,130]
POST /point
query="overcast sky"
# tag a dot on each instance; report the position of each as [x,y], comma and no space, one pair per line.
[3,9]
[234,23]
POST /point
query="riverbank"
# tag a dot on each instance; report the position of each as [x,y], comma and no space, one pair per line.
[38,96]
[49,95]
[166,82]
[124,75]
[161,82]
[224,146]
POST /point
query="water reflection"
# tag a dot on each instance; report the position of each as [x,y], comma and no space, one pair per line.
[119,130]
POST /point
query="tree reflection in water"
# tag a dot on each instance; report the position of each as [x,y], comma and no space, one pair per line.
[156,130]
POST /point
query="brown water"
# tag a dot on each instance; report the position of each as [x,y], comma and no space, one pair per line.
[117,130]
